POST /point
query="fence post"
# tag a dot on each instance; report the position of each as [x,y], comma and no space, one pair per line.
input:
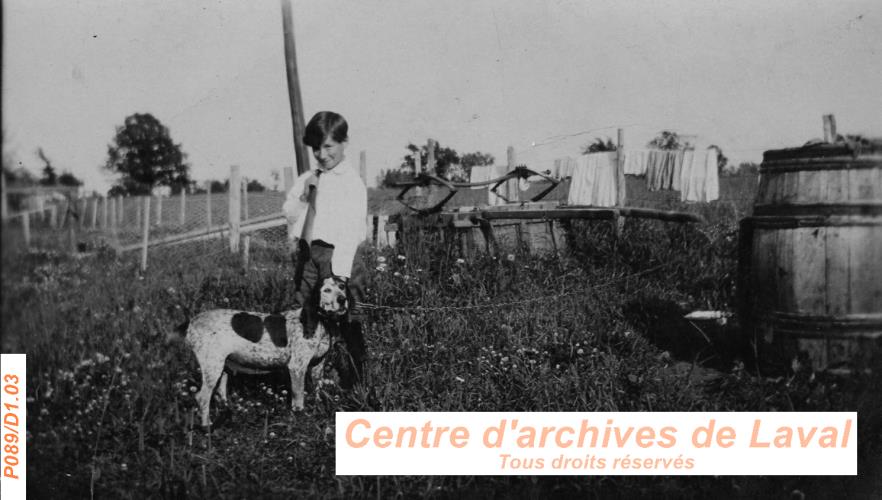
[621,187]
[511,185]
[430,160]
[114,225]
[121,202]
[244,198]
[146,233]
[208,204]
[26,229]
[362,166]
[235,207]
[246,249]
[829,128]
[53,216]
[183,205]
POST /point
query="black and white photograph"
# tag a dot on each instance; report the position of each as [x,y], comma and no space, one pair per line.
[228,224]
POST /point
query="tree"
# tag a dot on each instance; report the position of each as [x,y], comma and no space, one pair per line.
[444,159]
[68,179]
[145,156]
[598,146]
[255,186]
[50,178]
[476,159]
[666,139]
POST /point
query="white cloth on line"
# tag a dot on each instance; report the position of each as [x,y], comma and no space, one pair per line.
[593,181]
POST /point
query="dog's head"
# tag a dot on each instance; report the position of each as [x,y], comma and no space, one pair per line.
[332,298]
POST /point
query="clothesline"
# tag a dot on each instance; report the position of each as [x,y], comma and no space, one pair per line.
[593,176]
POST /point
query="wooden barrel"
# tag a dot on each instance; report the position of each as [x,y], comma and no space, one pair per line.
[811,257]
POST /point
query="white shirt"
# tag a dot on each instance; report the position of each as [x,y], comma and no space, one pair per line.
[340,212]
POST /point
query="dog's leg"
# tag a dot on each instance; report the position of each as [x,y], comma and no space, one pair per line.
[212,369]
[222,386]
[297,368]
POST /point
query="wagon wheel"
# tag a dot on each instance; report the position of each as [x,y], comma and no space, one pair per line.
[424,180]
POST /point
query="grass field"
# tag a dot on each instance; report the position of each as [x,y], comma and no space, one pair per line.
[111,409]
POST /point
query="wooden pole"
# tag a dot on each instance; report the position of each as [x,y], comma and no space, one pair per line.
[114,224]
[288,172]
[294,99]
[829,128]
[362,166]
[235,208]
[53,216]
[183,206]
[208,204]
[120,201]
[430,163]
[621,187]
[511,186]
[145,239]
[244,198]
[26,228]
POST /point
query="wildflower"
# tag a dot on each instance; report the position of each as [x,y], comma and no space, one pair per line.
[193,388]
[381,259]
[627,333]
[123,466]
[460,261]
[402,258]
[272,434]
[101,358]
[460,379]
[381,267]
[396,274]
[171,289]
[580,351]
[504,359]
[136,309]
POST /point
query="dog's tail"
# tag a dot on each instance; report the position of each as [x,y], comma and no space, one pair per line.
[179,333]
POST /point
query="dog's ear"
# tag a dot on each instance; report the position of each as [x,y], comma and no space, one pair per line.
[309,315]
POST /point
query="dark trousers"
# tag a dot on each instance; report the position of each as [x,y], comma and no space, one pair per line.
[312,265]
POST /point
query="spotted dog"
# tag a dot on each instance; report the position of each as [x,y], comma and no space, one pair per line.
[250,342]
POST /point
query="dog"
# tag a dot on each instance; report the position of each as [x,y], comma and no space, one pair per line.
[250,342]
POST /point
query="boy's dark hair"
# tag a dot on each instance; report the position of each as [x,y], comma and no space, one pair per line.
[323,125]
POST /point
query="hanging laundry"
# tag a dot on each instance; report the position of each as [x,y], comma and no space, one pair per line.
[712,182]
[593,181]
[635,162]
[678,168]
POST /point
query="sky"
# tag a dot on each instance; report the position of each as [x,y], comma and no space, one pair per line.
[544,77]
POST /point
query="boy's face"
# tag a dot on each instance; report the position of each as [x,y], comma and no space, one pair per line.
[330,154]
